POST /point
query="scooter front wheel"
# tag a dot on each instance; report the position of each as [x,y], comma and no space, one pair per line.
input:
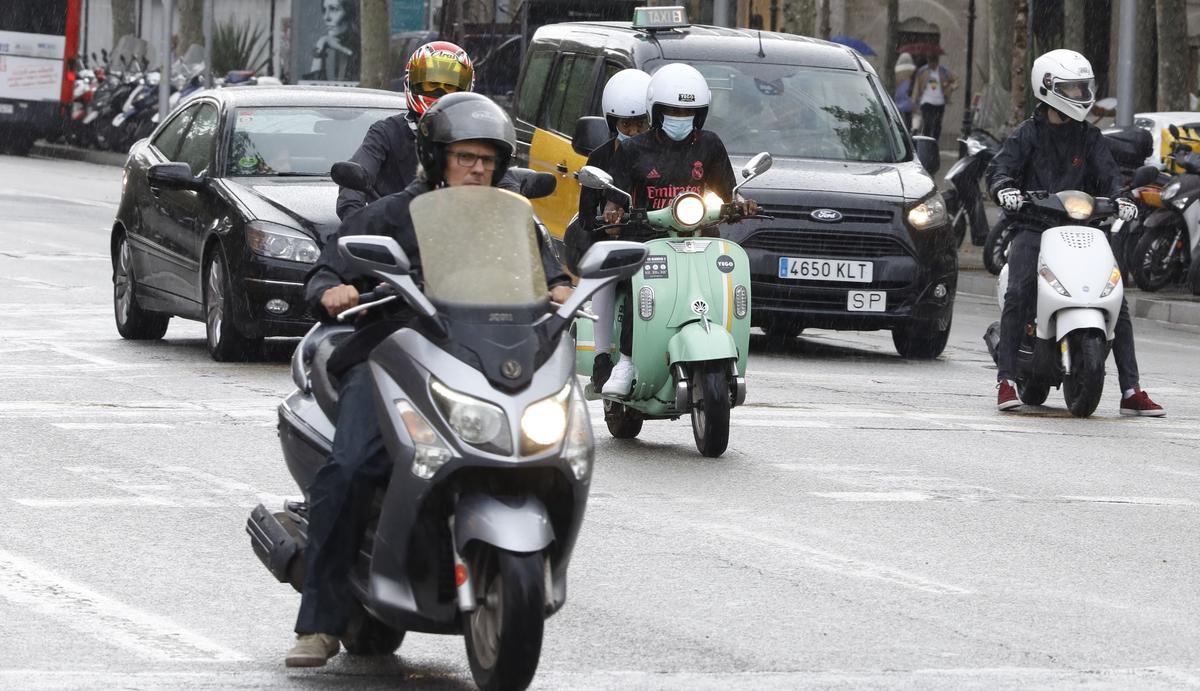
[711,401]
[1083,387]
[504,632]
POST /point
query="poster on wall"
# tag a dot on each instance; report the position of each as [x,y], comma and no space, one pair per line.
[325,42]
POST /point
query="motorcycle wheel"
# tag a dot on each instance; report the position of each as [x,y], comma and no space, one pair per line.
[711,401]
[995,248]
[366,635]
[225,342]
[623,422]
[979,222]
[1032,393]
[1151,270]
[957,214]
[133,323]
[1193,277]
[1083,387]
[504,633]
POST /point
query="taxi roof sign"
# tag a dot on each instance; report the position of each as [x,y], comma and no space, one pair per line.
[660,18]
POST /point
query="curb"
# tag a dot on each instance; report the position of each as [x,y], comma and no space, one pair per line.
[1142,306]
[70,153]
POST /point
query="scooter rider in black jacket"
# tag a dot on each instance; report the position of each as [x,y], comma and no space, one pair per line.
[464,139]
[388,152]
[1056,150]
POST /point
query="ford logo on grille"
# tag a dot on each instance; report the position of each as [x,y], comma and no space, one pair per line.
[826,215]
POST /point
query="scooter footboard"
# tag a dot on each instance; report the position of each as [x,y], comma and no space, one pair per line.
[1068,320]
[694,344]
[516,524]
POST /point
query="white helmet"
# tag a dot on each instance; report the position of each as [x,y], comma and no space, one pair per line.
[678,86]
[625,96]
[1063,80]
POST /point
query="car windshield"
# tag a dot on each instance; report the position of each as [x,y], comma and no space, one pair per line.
[805,112]
[296,140]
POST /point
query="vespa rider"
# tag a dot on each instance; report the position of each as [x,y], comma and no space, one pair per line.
[676,155]
[1056,150]
[388,151]
[464,139]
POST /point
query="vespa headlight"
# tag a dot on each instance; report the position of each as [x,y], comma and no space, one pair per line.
[476,422]
[1114,280]
[688,209]
[1079,206]
[1048,276]
[579,450]
[429,453]
[280,242]
[928,214]
[545,422]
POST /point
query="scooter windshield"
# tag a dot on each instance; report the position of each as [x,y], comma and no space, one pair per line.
[478,248]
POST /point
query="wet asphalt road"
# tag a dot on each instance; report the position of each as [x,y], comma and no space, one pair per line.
[875,522]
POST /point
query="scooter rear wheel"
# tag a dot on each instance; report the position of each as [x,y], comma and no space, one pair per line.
[1032,393]
[366,635]
[1084,386]
[504,633]
[711,401]
[622,421]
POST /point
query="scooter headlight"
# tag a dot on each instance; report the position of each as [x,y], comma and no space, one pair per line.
[476,422]
[1049,277]
[688,209]
[1171,190]
[429,453]
[545,422]
[1114,280]
[1079,206]
[579,449]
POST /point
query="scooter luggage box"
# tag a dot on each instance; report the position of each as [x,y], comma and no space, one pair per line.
[1130,146]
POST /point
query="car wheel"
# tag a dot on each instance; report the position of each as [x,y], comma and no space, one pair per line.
[133,322]
[225,342]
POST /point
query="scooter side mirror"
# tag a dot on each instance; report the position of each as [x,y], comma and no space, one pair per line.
[928,153]
[374,254]
[530,184]
[594,178]
[1173,130]
[1143,176]
[590,133]
[351,176]
[758,165]
[173,176]
[609,259]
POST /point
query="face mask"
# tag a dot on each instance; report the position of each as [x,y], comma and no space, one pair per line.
[678,128]
[621,136]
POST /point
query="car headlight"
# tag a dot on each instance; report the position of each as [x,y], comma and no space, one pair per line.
[280,242]
[1171,190]
[1079,206]
[476,422]
[579,449]
[429,453]
[1050,278]
[688,209]
[545,422]
[1114,280]
[928,214]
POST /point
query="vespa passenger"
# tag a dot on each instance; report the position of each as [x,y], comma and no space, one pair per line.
[676,155]
[463,139]
[1056,150]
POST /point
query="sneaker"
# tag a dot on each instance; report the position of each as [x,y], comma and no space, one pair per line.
[312,650]
[621,380]
[1006,398]
[1140,404]
[601,369]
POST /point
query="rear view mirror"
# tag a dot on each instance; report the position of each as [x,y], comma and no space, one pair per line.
[758,165]
[351,176]
[374,253]
[1173,130]
[611,258]
[594,178]
[590,133]
[928,153]
[538,185]
[1144,176]
[173,176]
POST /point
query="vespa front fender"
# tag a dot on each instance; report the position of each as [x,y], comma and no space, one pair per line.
[695,344]
[516,524]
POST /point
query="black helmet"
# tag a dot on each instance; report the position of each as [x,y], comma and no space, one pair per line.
[460,117]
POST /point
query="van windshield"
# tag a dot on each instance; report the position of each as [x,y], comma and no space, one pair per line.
[805,112]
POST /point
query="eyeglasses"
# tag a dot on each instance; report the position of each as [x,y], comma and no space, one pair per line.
[468,159]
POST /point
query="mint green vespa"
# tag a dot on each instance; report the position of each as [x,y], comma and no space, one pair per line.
[690,320]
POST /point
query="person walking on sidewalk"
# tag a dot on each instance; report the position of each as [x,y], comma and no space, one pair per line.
[904,84]
[932,88]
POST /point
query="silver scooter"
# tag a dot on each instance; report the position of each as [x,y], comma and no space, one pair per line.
[486,426]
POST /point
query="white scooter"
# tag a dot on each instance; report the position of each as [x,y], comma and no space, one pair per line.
[1079,294]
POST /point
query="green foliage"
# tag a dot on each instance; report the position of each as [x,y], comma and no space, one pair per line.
[238,46]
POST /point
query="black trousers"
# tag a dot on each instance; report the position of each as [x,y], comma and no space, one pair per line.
[337,507]
[1020,301]
[931,120]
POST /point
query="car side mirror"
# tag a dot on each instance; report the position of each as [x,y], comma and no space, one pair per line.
[351,176]
[594,178]
[590,133]
[928,153]
[612,258]
[173,176]
[374,253]
[1143,176]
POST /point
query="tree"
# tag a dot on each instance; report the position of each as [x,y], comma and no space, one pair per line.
[376,33]
[1074,20]
[799,17]
[191,24]
[891,43]
[1020,61]
[124,19]
[1001,40]
[823,28]
[1172,55]
[1145,72]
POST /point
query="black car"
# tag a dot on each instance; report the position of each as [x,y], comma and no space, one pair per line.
[860,238]
[225,207]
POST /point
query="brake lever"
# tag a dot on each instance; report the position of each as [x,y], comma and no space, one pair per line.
[582,312]
[364,306]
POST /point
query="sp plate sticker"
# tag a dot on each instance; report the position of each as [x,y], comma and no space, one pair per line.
[725,263]
[655,266]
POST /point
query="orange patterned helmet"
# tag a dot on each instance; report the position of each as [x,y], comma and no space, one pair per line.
[434,70]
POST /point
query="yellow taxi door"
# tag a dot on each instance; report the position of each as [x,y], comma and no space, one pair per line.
[552,153]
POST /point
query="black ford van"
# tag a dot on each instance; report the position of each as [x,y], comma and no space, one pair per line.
[860,239]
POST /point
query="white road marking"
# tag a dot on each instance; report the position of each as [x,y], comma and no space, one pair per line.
[25,195]
[83,502]
[1142,501]
[77,607]
[96,426]
[873,496]
[86,357]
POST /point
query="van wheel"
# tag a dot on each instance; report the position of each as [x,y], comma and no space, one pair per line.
[1083,387]
[711,401]
[366,635]
[919,339]
[782,333]
[225,342]
[623,422]
[133,322]
[504,633]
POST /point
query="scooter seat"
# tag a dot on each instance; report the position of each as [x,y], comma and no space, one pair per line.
[324,384]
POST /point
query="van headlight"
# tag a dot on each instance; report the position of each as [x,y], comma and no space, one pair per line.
[545,422]
[476,422]
[928,214]
[579,450]
[280,242]
[688,209]
[1079,206]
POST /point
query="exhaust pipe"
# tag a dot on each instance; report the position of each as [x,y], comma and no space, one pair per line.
[278,548]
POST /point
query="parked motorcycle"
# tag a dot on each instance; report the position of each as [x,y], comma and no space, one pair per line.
[487,428]
[691,336]
[1079,294]
[964,199]
[1170,237]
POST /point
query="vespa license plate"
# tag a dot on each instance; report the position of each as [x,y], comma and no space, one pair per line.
[838,270]
[866,301]
[6,109]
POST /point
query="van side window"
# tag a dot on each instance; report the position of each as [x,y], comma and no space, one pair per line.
[534,84]
[571,95]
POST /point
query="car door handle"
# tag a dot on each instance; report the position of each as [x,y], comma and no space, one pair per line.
[562,167]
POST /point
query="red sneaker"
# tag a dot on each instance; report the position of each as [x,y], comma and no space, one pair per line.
[1007,399]
[1140,404]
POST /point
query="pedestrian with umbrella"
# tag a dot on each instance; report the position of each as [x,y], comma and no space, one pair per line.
[903,94]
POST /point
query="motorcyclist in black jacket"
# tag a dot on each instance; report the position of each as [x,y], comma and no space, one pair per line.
[388,151]
[464,139]
[1056,150]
